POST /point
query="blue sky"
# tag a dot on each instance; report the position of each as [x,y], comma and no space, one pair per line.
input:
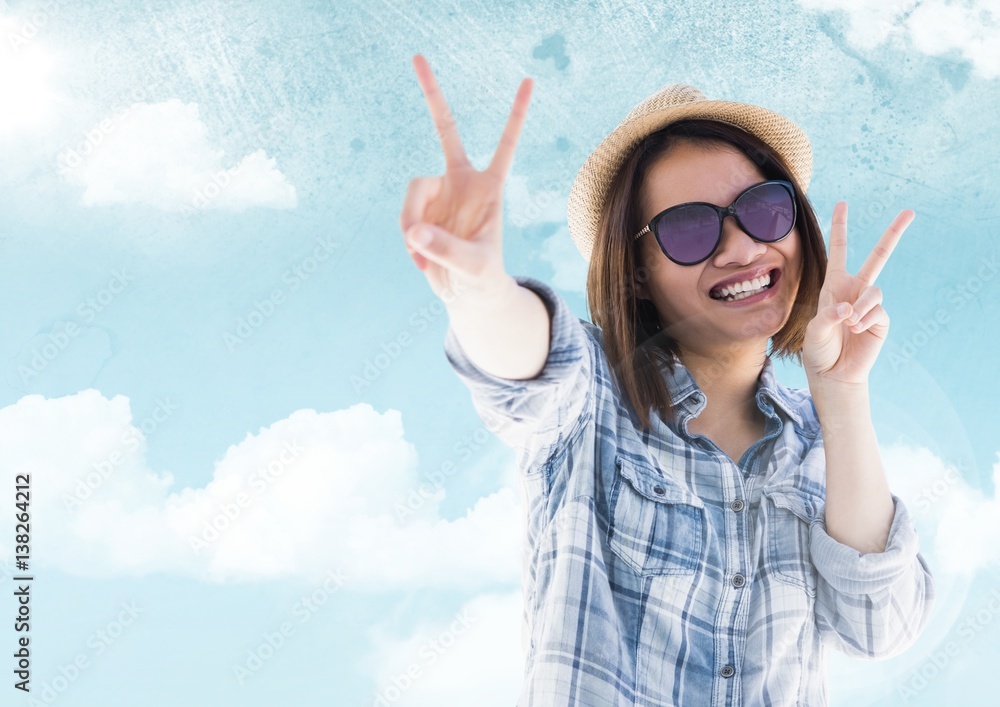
[225,374]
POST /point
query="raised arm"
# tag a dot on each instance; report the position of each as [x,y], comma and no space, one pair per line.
[513,341]
[453,227]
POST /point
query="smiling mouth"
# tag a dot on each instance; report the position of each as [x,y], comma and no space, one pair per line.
[774,276]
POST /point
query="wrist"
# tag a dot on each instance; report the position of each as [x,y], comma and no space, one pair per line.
[833,389]
[840,404]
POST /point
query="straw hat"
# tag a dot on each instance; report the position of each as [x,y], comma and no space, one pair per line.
[673,102]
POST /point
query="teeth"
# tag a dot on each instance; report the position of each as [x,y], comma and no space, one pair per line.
[739,296]
[747,286]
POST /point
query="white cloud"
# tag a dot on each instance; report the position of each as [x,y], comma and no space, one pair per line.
[934,27]
[869,23]
[473,657]
[160,155]
[309,493]
[316,491]
[323,490]
[973,30]
[949,509]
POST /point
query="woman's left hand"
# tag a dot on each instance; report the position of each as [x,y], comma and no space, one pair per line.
[844,338]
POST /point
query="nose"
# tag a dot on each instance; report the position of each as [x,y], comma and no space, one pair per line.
[736,245]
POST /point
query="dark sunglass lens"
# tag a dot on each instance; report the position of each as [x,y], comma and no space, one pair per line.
[688,234]
[767,211]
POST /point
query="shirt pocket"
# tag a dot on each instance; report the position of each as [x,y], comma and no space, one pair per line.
[790,514]
[656,526]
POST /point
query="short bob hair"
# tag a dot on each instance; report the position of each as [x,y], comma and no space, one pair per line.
[635,343]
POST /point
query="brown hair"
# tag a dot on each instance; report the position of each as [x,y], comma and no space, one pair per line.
[634,341]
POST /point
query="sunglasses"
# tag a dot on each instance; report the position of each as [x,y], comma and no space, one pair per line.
[689,233]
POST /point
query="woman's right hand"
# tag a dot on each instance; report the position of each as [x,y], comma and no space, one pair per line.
[464,207]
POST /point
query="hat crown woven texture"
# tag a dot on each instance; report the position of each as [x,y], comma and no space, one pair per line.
[673,94]
[673,102]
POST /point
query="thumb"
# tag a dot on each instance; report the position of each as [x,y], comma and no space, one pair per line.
[444,248]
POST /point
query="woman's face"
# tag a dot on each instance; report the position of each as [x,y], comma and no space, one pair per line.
[681,293]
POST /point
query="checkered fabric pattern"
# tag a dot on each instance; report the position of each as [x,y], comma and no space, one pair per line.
[658,571]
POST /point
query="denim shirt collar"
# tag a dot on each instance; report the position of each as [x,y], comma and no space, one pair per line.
[682,386]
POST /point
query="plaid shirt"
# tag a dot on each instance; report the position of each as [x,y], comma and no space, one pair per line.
[656,571]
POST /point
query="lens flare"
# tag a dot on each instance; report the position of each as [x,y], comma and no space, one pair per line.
[24,70]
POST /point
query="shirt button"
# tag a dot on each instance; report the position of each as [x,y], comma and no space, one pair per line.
[737,505]
[739,580]
[727,671]
[659,490]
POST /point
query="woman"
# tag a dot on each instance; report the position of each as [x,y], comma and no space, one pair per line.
[697,532]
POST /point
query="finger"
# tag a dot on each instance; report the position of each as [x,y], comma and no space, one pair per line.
[508,140]
[419,260]
[871,296]
[828,317]
[420,191]
[879,256]
[837,259]
[877,320]
[444,120]
[446,249]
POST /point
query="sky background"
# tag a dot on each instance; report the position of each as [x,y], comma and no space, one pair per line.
[225,375]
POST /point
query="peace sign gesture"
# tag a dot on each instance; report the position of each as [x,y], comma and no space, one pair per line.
[462,208]
[850,326]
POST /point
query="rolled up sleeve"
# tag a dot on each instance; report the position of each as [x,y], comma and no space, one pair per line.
[872,605]
[533,416]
